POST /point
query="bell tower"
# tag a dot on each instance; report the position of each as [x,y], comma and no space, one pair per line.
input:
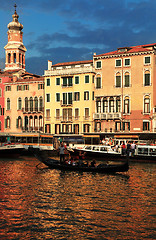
[15,50]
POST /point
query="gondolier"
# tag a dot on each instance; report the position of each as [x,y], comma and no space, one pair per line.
[61,152]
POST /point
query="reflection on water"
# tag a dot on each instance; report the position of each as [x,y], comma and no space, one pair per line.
[52,204]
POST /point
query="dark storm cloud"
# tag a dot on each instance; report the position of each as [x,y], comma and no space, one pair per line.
[88,26]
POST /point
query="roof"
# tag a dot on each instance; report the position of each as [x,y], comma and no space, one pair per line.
[72,63]
[133,49]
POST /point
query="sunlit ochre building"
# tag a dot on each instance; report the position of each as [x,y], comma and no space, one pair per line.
[69,97]
[125,90]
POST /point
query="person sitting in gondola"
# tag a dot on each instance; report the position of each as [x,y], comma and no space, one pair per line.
[93,163]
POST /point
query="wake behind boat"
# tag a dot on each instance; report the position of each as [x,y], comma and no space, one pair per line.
[101,168]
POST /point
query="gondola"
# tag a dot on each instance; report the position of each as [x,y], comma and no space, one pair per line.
[101,168]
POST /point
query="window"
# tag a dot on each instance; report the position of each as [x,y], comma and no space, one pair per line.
[57,114]
[86,113]
[36,104]
[0,92]
[19,122]
[118,104]
[147,78]
[40,86]
[57,81]
[57,97]
[147,60]
[126,126]
[48,97]
[14,57]
[19,87]
[146,104]
[118,62]
[98,64]
[93,95]
[48,81]
[98,82]
[0,80]
[105,105]
[76,96]
[86,128]
[40,104]
[25,87]
[127,79]
[8,103]
[47,114]
[19,104]
[26,104]
[118,80]
[87,79]
[111,104]
[126,105]
[7,122]
[127,62]
[98,105]
[31,104]
[64,81]
[8,88]
[86,95]
[70,81]
[70,98]
[64,98]
[146,126]
[117,126]
[67,81]
[76,113]
[77,80]
[9,57]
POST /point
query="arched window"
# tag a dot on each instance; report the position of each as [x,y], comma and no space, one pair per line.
[7,122]
[31,104]
[19,103]
[26,104]
[127,79]
[14,57]
[98,81]
[0,92]
[118,80]
[0,126]
[147,104]
[8,103]
[40,104]
[126,105]
[19,122]
[36,104]
[147,78]
[111,104]
[9,57]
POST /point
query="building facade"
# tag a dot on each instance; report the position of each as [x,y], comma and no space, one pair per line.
[125,90]
[22,101]
[69,97]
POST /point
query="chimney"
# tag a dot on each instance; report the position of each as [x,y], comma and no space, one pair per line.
[49,64]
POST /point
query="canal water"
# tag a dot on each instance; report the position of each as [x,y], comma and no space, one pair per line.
[39,203]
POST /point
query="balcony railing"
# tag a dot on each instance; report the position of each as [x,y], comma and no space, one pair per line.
[106,116]
[32,110]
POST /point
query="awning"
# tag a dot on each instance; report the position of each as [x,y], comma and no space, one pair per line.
[126,136]
[91,136]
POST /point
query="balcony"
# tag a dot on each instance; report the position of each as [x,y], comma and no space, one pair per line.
[70,71]
[106,116]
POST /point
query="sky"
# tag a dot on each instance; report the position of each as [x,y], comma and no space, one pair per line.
[73,30]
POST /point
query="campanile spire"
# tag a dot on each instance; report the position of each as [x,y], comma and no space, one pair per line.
[15,49]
